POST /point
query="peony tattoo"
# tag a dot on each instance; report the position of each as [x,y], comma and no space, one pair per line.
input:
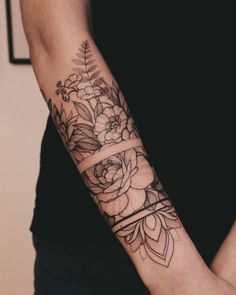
[98,130]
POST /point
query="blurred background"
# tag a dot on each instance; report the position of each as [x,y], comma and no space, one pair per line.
[22,122]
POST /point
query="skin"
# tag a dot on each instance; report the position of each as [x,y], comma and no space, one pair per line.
[224,263]
[55,30]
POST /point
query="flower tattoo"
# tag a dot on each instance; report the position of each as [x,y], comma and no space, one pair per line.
[93,117]
[102,112]
[110,125]
[118,184]
[124,187]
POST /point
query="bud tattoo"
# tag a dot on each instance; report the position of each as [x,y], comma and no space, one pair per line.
[124,186]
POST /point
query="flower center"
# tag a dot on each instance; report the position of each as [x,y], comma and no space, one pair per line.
[113,122]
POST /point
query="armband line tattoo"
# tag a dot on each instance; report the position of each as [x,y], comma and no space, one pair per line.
[137,212]
[136,217]
[96,127]
[134,221]
[108,151]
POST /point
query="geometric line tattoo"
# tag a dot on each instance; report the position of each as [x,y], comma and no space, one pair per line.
[144,212]
[92,117]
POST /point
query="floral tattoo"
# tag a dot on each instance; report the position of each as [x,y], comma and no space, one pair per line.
[124,186]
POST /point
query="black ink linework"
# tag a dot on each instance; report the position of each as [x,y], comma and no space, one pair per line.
[123,185]
[144,208]
[103,115]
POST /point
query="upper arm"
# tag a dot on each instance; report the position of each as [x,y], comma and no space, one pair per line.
[46,22]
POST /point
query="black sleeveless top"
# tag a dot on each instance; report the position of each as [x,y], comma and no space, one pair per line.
[174,69]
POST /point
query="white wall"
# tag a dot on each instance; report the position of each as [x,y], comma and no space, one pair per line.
[22,121]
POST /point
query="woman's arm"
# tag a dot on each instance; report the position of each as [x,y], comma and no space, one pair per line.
[98,131]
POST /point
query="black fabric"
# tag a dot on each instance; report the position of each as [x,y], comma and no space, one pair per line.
[62,199]
[175,71]
[66,270]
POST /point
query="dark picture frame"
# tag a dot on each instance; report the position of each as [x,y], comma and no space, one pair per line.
[11,40]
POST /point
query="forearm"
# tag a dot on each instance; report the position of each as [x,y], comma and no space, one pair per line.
[98,131]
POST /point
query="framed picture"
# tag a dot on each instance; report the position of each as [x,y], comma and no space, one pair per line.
[17,44]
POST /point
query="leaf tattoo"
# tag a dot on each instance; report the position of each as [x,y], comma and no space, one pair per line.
[83,111]
[99,105]
[85,59]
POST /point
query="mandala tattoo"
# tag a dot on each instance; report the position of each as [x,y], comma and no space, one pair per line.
[124,186]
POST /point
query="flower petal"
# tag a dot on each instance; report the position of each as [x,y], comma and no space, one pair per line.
[87,96]
[110,174]
[152,227]
[96,92]
[125,134]
[108,112]
[81,93]
[122,124]
[115,206]
[73,77]
[73,95]
[114,159]
[114,186]
[119,174]
[123,116]
[101,136]
[88,90]
[107,197]
[67,83]
[125,183]
[96,189]
[101,122]
[112,135]
[91,176]
[136,243]
[144,175]
[117,110]
[131,156]
[102,180]
[136,199]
